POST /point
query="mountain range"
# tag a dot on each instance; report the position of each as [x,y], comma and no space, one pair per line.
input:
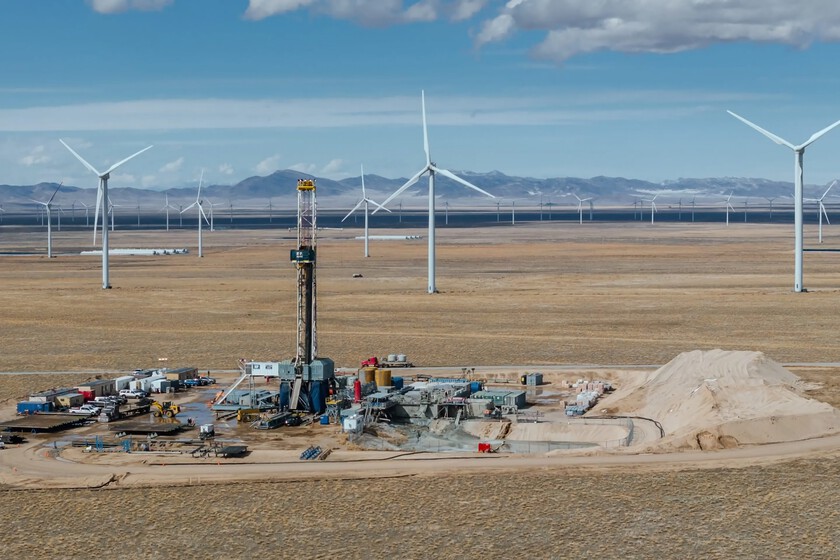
[280,187]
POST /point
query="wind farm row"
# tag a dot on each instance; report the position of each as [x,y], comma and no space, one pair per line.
[585,205]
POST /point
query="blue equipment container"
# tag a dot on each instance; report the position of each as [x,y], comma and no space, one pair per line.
[475,387]
[325,420]
[317,397]
[33,407]
[397,383]
[285,395]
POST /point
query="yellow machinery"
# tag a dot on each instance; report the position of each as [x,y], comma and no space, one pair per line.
[166,409]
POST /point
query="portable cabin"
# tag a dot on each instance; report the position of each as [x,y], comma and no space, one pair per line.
[68,400]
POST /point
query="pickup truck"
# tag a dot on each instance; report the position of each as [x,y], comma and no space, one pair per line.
[133,393]
[85,409]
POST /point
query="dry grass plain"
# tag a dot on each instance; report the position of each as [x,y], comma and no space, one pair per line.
[531,295]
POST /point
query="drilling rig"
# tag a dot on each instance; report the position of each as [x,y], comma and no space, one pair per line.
[305,380]
[313,375]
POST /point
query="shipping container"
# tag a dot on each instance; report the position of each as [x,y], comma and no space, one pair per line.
[33,407]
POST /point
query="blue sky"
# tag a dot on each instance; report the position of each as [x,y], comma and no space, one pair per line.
[543,88]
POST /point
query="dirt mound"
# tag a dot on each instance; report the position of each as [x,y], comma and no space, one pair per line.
[719,399]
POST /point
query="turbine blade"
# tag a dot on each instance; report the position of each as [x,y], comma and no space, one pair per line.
[358,205]
[188,207]
[828,189]
[55,193]
[362,166]
[200,180]
[126,159]
[449,174]
[402,189]
[201,210]
[81,159]
[378,205]
[822,207]
[817,135]
[425,130]
[770,135]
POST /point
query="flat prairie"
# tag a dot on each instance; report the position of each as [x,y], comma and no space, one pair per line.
[524,296]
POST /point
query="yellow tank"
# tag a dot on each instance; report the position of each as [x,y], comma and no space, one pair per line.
[368,375]
[383,377]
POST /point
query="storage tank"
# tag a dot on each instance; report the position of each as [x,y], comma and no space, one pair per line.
[402,358]
[392,357]
[475,387]
[368,375]
[383,377]
[357,391]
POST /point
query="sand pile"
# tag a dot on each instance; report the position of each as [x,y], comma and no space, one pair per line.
[713,399]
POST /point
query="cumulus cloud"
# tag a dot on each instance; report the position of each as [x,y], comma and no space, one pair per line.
[332,170]
[172,166]
[36,157]
[268,165]
[574,27]
[226,169]
[118,6]
[370,12]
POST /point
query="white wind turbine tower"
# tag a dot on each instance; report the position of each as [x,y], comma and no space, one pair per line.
[580,208]
[822,212]
[101,202]
[770,200]
[2,211]
[48,207]
[432,170]
[87,213]
[728,206]
[652,206]
[798,156]
[166,208]
[364,202]
[198,202]
[112,208]
[212,204]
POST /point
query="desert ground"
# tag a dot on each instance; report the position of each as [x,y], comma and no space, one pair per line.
[526,296]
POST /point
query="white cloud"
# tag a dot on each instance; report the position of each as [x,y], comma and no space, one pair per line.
[149,180]
[366,12]
[226,169]
[661,26]
[332,170]
[172,166]
[36,157]
[118,6]
[268,165]
[225,114]
[465,9]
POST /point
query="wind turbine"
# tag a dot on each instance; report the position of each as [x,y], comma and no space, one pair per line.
[652,206]
[746,202]
[432,170]
[87,214]
[212,204]
[822,212]
[446,212]
[364,201]
[580,208]
[230,207]
[728,206]
[101,201]
[270,211]
[693,198]
[198,202]
[770,200]
[167,207]
[513,212]
[48,207]
[111,208]
[798,157]
[2,211]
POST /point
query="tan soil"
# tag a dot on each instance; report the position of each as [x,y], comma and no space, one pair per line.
[550,294]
